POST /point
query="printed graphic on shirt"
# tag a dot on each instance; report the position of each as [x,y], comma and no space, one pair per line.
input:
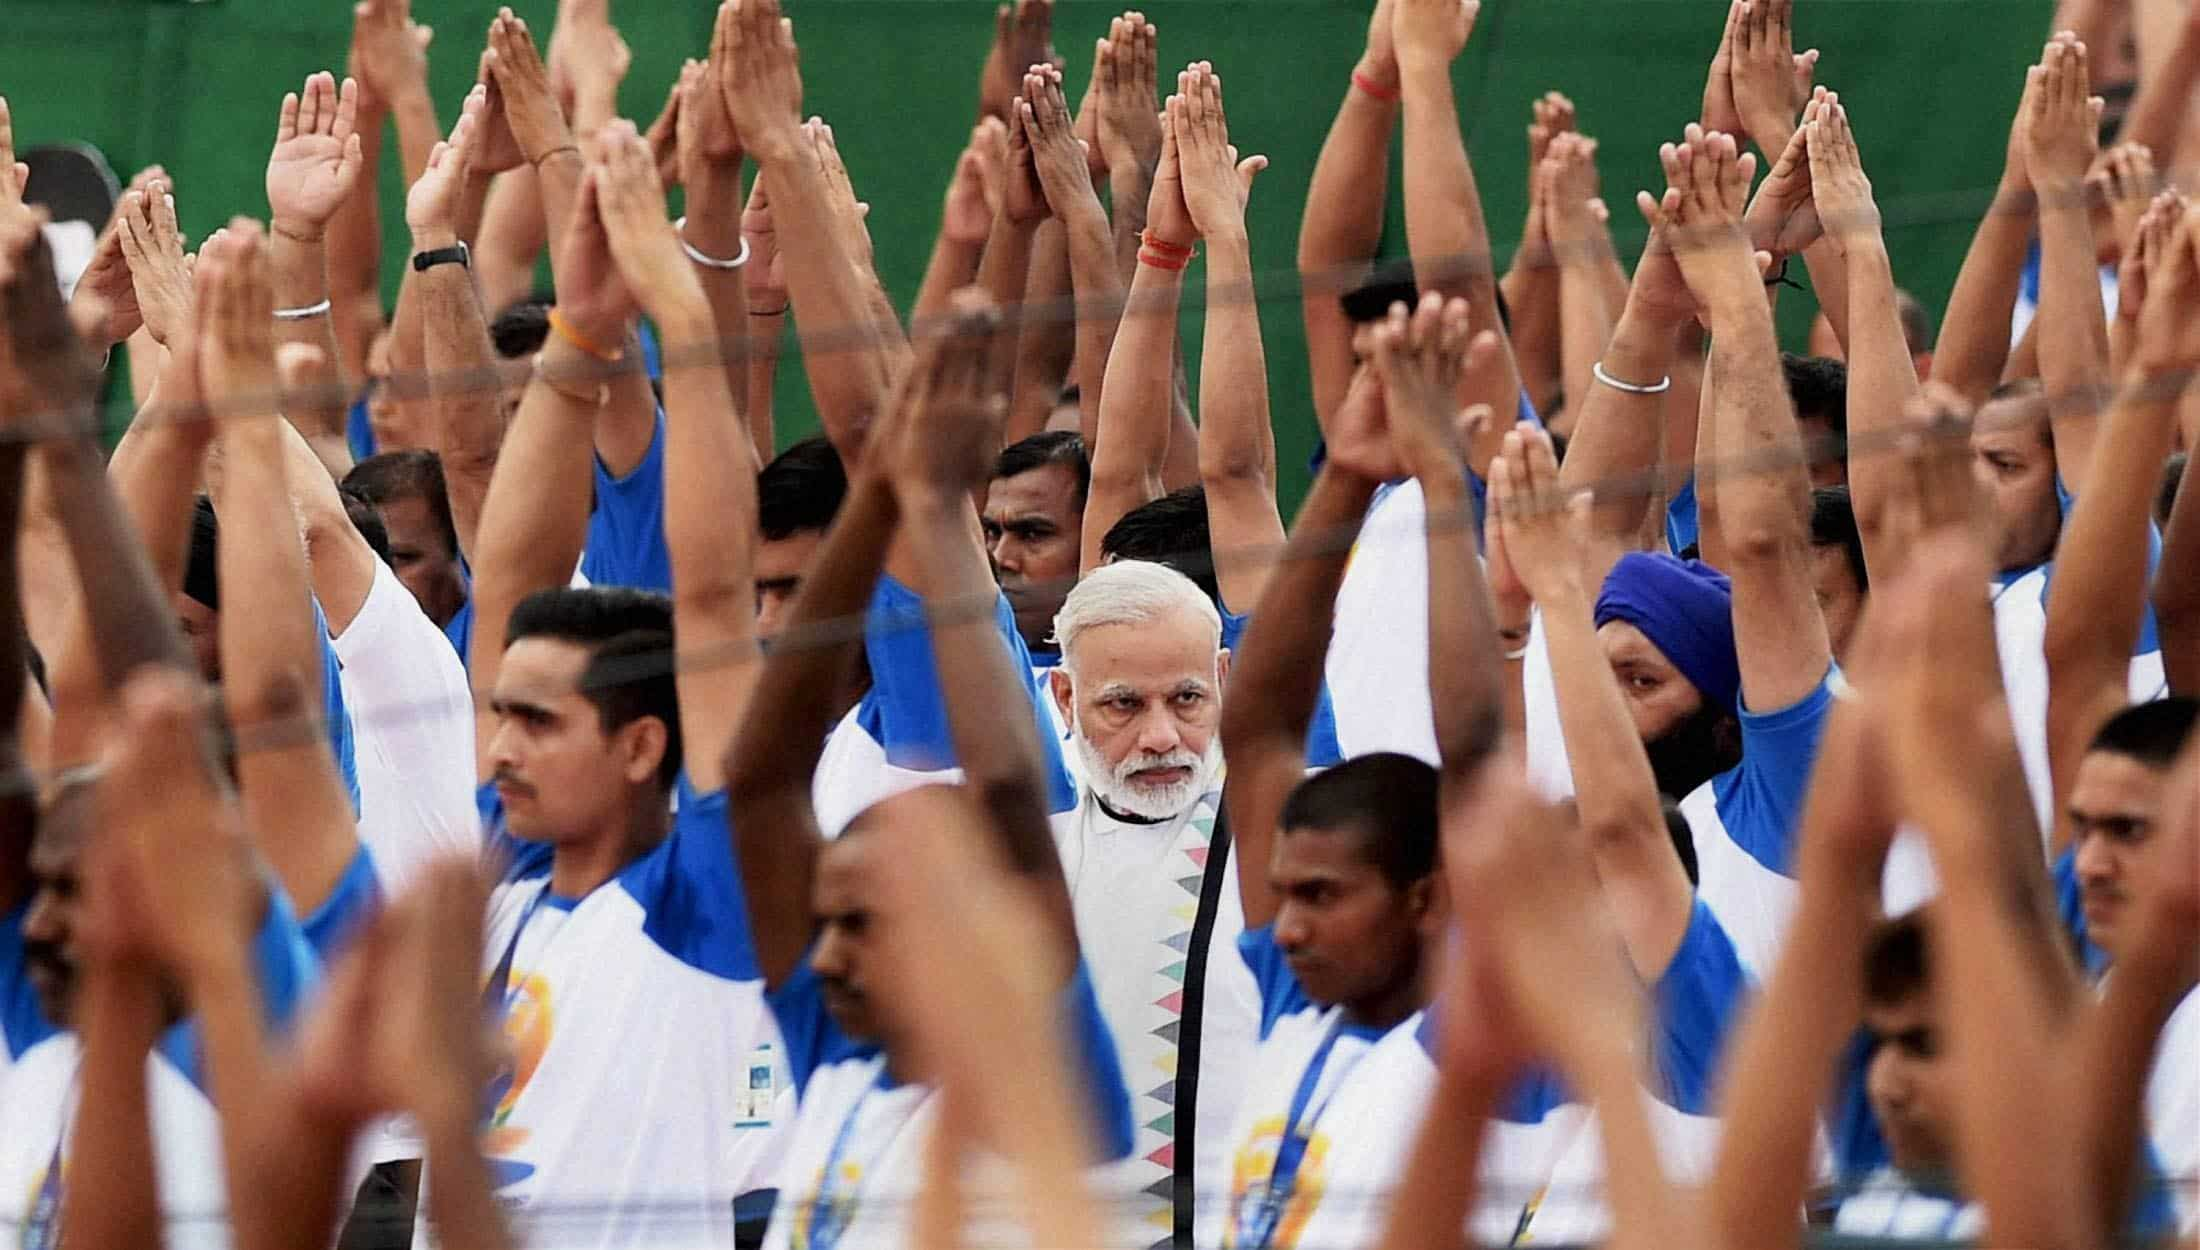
[1254,1208]
[529,1020]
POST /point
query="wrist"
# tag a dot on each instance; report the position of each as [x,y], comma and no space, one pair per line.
[775,145]
[426,238]
[684,319]
[297,230]
[1381,72]
[1421,69]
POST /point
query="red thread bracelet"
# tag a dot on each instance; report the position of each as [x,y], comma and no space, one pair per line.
[1175,264]
[1373,88]
[1163,246]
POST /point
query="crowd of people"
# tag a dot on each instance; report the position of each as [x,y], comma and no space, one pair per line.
[472,787]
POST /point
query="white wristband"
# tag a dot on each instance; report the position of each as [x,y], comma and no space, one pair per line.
[1663,384]
[308,313]
[707,261]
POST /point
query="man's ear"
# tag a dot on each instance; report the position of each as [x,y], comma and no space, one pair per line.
[1064,689]
[641,744]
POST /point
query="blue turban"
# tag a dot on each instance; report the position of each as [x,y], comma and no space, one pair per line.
[1686,609]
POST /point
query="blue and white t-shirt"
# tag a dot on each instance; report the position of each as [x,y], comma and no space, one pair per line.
[897,737]
[341,737]
[1890,1205]
[850,1173]
[40,1090]
[631,1117]
[1745,819]
[626,529]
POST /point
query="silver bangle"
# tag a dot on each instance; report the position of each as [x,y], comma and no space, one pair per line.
[707,261]
[308,313]
[1663,385]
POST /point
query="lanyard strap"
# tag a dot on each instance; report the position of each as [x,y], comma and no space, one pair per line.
[831,1212]
[42,1231]
[1297,1134]
[497,997]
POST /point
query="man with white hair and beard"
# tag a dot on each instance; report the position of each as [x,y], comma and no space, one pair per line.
[1154,888]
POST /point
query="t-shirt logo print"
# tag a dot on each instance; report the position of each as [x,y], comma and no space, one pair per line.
[1254,1209]
[528,1023]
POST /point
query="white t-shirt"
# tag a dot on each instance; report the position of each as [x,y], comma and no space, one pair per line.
[1378,655]
[413,730]
[2173,1109]
[849,1176]
[1137,890]
[648,1089]
[1887,1205]
[39,1093]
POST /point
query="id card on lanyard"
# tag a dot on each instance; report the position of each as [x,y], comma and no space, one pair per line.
[833,1209]
[1262,1214]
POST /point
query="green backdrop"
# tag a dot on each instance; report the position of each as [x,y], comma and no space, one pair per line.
[1930,84]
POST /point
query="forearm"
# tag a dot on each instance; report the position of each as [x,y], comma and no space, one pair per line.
[766,334]
[155,472]
[300,271]
[226,1005]
[1829,281]
[512,236]
[953,266]
[1132,441]
[1760,510]
[1585,321]
[2073,334]
[110,1202]
[1974,336]
[714,203]
[2177,585]
[1237,444]
[1442,1174]
[1466,671]
[1096,290]
[1882,381]
[1619,434]
[1343,227]
[1005,273]
[472,205]
[2164,100]
[1129,192]
[558,184]
[407,385]
[462,1203]
[417,130]
[131,621]
[1531,288]
[355,257]
[1046,335]
[463,391]
[1613,783]
[2115,1048]
[851,374]
[1444,227]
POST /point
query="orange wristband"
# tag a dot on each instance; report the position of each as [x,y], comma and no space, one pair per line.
[569,334]
[1373,88]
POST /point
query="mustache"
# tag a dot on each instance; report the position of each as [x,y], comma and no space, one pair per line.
[506,777]
[46,955]
[1166,759]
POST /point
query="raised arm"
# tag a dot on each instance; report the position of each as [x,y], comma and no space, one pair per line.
[1129,128]
[535,518]
[763,88]
[710,465]
[2061,138]
[316,163]
[1772,85]
[2097,599]
[1644,885]
[1444,224]
[1581,253]
[1095,288]
[2177,587]
[966,219]
[1531,283]
[1974,334]
[1237,444]
[462,380]
[941,441]
[1780,637]
[1785,1052]
[710,173]
[1276,672]
[270,643]
[776,749]
[1343,224]
[390,58]
[1131,445]
[1882,378]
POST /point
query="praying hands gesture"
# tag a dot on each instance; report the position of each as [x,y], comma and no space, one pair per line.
[1420,357]
[430,204]
[647,250]
[1216,184]
[760,78]
[160,270]
[2062,119]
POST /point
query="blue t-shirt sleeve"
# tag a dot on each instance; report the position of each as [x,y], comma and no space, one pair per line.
[905,710]
[340,738]
[359,430]
[1761,802]
[22,1024]
[460,630]
[690,890]
[1108,1099]
[1535,1093]
[1858,1147]
[1280,992]
[287,972]
[357,897]
[807,1028]
[1698,1001]
[626,530]
[1680,518]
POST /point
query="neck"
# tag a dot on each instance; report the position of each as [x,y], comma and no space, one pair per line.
[1390,1006]
[578,867]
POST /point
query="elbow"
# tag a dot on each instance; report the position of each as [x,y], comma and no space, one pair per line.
[2176,603]
[1232,468]
[1763,535]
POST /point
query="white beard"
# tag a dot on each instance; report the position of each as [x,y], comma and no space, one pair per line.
[1113,784]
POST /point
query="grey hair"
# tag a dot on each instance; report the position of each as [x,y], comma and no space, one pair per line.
[1130,592]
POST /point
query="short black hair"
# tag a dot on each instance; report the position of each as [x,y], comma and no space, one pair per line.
[1062,447]
[1833,524]
[628,635]
[1917,324]
[522,328]
[2173,476]
[1387,798]
[201,575]
[800,490]
[1171,530]
[367,519]
[1683,838]
[1818,386]
[1898,960]
[1389,282]
[2151,733]
[414,473]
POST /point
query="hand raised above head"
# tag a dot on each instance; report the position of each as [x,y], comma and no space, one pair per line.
[530,106]
[160,270]
[389,52]
[2062,126]
[1058,157]
[760,77]
[1838,185]
[317,158]
[432,203]
[643,242]
[1420,356]
[1217,184]
[1130,117]
[1431,33]
[943,428]
[46,376]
